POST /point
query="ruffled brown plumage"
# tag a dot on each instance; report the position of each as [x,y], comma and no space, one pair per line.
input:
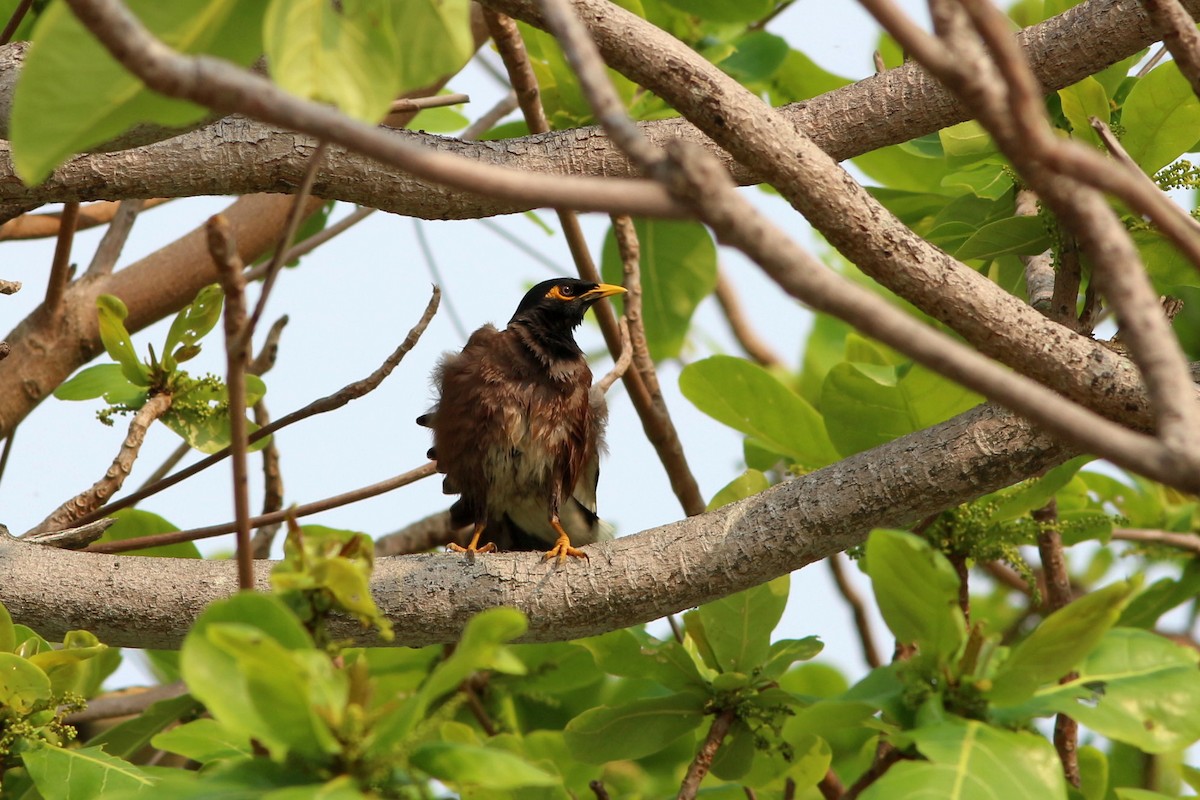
[517,430]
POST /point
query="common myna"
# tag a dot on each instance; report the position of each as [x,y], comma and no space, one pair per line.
[516,430]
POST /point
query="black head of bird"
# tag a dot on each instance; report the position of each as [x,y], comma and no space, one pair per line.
[516,430]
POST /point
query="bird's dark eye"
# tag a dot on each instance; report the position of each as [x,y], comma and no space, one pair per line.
[567,291]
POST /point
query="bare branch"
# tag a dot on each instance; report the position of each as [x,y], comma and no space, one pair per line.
[432,101]
[861,621]
[622,363]
[1177,29]
[704,756]
[78,511]
[223,248]
[15,20]
[351,391]
[298,213]
[627,581]
[60,266]
[754,345]
[346,498]
[505,106]
[226,89]
[646,398]
[425,534]
[113,242]
[40,226]
[73,538]
[125,703]
[1189,542]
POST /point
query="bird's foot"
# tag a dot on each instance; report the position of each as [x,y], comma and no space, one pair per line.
[471,549]
[562,548]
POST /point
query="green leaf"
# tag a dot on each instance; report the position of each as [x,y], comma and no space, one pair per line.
[483,767]
[748,484]
[917,591]
[116,339]
[749,399]
[1022,236]
[800,78]
[1080,102]
[725,10]
[1093,773]
[757,56]
[1135,687]
[204,740]
[1166,266]
[127,738]
[298,691]
[8,634]
[633,653]
[434,40]
[1160,597]
[739,626]
[193,323]
[72,95]
[973,760]
[22,685]
[62,774]
[102,380]
[678,269]
[214,675]
[786,652]
[133,523]
[344,54]
[340,788]
[1160,117]
[635,729]
[1060,642]
[64,665]
[481,647]
[866,405]
[1031,495]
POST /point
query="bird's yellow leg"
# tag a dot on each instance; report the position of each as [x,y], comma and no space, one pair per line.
[562,545]
[474,547]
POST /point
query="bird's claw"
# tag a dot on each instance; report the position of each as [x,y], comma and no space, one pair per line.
[563,549]
[471,549]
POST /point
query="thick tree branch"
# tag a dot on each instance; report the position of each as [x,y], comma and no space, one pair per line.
[235,156]
[995,322]
[150,602]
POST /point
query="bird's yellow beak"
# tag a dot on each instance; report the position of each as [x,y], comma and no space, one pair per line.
[603,290]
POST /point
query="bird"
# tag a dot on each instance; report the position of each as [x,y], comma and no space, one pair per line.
[517,429]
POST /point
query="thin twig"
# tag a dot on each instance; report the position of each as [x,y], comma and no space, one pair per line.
[754,345]
[1175,25]
[704,756]
[167,465]
[598,789]
[683,482]
[1152,62]
[435,273]
[47,224]
[307,509]
[503,107]
[126,703]
[861,621]
[1058,595]
[273,494]
[237,355]
[426,533]
[351,391]
[80,510]
[830,786]
[8,446]
[15,20]
[433,101]
[477,710]
[316,240]
[1189,542]
[60,267]
[113,241]
[885,756]
[622,364]
[226,89]
[295,217]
